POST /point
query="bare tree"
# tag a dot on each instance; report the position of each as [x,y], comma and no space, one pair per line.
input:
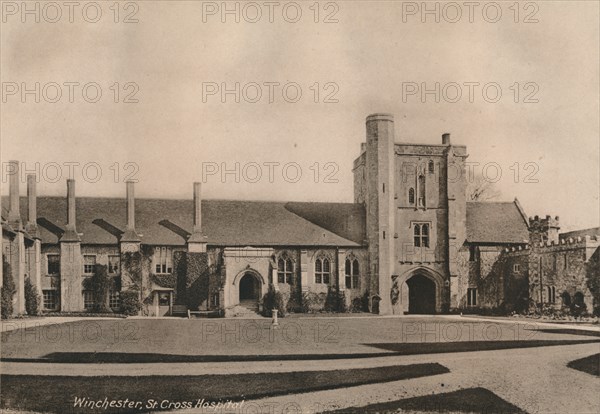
[480,189]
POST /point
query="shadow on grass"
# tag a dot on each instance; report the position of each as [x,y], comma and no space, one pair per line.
[570,332]
[57,393]
[468,346]
[589,365]
[471,400]
[391,348]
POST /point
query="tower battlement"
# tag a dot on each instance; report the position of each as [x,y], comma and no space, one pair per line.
[542,230]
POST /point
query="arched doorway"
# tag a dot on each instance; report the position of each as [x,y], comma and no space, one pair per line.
[249,291]
[421,295]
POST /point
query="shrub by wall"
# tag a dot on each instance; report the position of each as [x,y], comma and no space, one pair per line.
[8,290]
[273,300]
[130,302]
[313,302]
[32,299]
[335,300]
[360,304]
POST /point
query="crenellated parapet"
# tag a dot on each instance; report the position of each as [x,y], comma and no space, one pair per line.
[543,229]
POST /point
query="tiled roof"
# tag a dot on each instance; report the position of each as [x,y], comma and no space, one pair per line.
[594,231]
[224,222]
[496,223]
[251,223]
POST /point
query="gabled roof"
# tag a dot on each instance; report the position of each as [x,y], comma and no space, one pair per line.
[496,223]
[224,222]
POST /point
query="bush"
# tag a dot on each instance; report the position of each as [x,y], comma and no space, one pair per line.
[32,299]
[294,305]
[273,300]
[335,300]
[360,304]
[7,291]
[130,302]
[313,302]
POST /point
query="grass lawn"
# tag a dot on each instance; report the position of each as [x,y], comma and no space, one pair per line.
[471,400]
[57,393]
[227,338]
[590,364]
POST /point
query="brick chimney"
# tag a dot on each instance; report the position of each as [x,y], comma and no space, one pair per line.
[197,240]
[71,261]
[14,213]
[71,234]
[31,226]
[130,234]
[446,139]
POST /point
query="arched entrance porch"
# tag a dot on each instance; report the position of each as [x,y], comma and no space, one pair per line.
[421,295]
[249,286]
[421,291]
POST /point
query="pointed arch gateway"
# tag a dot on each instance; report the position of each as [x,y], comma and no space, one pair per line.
[249,284]
[421,290]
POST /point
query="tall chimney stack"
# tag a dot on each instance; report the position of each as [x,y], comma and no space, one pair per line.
[71,228]
[14,213]
[197,208]
[130,205]
[31,226]
[446,139]
[130,234]
[197,240]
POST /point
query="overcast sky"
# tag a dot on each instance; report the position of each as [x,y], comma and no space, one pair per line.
[360,64]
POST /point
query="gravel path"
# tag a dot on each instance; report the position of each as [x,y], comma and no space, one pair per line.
[536,380]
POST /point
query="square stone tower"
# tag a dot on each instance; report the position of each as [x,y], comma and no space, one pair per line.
[414,196]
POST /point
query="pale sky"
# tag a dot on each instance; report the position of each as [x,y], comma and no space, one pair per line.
[366,59]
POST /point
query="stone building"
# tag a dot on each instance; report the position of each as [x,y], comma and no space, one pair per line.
[409,243]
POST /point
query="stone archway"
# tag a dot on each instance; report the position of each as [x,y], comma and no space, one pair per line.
[421,290]
[249,286]
[421,295]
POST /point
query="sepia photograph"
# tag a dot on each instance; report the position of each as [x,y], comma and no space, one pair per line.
[281,207]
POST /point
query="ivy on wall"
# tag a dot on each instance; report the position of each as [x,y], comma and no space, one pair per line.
[165,280]
[197,279]
[191,274]
[395,292]
[592,273]
[100,283]
[8,290]
[131,268]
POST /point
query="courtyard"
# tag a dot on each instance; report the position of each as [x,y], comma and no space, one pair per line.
[305,364]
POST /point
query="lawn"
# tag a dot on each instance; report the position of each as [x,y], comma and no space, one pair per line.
[228,339]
